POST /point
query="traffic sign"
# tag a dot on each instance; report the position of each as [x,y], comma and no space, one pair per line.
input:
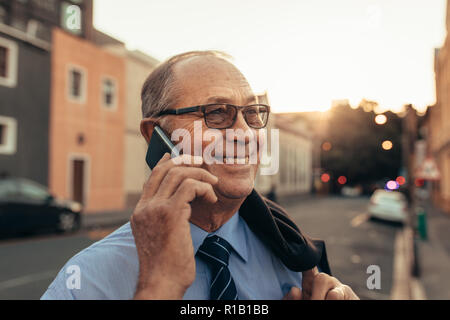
[428,170]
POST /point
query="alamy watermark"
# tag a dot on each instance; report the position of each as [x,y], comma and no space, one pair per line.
[374,280]
[73,17]
[73,281]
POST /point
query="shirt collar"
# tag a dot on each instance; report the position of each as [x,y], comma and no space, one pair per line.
[232,231]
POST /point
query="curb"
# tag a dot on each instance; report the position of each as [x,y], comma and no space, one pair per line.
[401,289]
[405,285]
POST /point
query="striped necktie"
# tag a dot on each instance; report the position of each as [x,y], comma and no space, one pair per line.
[215,251]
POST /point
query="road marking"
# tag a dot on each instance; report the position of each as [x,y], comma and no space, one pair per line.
[20,281]
[359,219]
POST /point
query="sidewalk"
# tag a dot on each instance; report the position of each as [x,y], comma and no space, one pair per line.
[434,256]
[105,219]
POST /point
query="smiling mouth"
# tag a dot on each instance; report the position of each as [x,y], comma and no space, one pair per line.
[233,160]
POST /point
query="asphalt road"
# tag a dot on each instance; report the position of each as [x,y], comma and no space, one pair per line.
[28,265]
[353,241]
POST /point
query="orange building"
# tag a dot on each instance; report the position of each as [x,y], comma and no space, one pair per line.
[87,122]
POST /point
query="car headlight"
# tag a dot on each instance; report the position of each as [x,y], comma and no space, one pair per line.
[76,207]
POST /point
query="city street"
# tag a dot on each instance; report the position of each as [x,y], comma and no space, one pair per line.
[353,243]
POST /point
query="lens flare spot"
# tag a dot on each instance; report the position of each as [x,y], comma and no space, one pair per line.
[400,180]
[392,185]
[342,180]
[380,119]
[326,146]
[387,145]
[325,177]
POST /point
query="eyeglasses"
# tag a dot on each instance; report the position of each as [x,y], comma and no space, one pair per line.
[223,116]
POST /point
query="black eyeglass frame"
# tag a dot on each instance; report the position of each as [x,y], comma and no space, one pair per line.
[202,108]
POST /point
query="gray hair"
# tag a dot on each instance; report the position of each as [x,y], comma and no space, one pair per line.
[159,91]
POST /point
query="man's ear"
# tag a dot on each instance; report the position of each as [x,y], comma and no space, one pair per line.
[147,125]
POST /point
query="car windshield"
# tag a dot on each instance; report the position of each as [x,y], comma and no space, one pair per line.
[32,190]
[389,196]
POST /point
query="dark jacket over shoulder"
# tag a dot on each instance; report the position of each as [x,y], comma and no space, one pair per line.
[272,225]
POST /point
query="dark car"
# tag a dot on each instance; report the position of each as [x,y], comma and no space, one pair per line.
[26,206]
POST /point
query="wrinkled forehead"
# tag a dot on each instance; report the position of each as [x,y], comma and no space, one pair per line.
[201,78]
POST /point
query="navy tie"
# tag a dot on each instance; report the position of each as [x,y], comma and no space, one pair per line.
[215,251]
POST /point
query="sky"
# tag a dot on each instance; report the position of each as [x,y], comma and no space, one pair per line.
[305,53]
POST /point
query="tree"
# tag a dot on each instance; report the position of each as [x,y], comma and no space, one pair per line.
[356,140]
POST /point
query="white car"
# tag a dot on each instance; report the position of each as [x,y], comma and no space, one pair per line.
[388,205]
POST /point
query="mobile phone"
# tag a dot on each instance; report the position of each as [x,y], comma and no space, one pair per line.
[158,146]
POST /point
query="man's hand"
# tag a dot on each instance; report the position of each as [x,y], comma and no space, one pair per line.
[320,286]
[160,225]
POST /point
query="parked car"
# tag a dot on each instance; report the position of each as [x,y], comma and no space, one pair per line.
[388,205]
[26,206]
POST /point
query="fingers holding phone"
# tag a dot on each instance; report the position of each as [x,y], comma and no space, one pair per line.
[160,225]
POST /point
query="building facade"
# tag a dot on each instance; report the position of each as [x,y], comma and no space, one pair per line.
[138,66]
[291,153]
[439,123]
[25,61]
[87,123]
[296,157]
[24,101]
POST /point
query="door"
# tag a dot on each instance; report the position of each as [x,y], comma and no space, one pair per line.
[78,168]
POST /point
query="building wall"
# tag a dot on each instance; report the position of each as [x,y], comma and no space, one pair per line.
[439,125]
[295,157]
[295,175]
[101,129]
[28,103]
[264,183]
[136,169]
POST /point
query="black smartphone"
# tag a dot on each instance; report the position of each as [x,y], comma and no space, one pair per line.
[158,146]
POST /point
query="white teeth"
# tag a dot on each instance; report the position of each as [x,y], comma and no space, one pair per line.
[232,160]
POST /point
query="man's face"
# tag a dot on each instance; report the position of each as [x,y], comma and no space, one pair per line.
[204,80]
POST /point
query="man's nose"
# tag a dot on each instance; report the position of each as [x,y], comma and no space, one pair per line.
[240,122]
[239,125]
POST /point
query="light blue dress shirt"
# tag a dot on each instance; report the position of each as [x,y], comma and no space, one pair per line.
[109,268]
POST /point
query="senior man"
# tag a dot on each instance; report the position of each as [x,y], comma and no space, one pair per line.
[200,230]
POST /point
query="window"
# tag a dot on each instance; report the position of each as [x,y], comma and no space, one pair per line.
[109,93]
[2,134]
[8,63]
[8,133]
[77,84]
[3,62]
